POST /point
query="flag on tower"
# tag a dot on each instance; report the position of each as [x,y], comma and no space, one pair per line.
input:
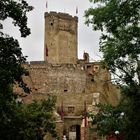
[85,114]
[76,10]
[46,50]
[62,111]
[46,4]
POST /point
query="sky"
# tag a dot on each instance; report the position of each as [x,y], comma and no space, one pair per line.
[33,45]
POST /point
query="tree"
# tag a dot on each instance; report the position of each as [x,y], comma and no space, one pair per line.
[119,21]
[19,122]
[11,57]
[28,121]
[38,120]
[110,120]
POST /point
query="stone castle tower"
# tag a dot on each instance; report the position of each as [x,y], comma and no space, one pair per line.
[60,38]
[75,82]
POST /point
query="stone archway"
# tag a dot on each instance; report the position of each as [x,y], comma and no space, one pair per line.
[74,132]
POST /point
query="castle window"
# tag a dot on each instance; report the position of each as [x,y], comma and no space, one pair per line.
[35,89]
[26,73]
[65,90]
[71,109]
[92,79]
[46,51]
[88,66]
[96,68]
[65,86]
[51,23]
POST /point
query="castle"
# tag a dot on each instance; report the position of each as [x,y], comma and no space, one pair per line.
[78,84]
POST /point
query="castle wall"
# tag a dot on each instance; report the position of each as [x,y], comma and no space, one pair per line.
[72,84]
[53,79]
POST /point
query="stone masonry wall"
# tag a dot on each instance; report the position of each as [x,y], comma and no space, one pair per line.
[60,38]
[72,84]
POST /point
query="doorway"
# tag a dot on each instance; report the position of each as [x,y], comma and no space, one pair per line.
[78,132]
[74,132]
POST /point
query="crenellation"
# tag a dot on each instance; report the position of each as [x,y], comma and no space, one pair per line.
[61,15]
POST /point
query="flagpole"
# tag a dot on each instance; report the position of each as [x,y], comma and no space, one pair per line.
[85,119]
[85,113]
[62,111]
[76,10]
[46,5]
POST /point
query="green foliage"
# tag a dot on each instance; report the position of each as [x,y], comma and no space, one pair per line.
[109,119]
[11,70]
[27,122]
[11,57]
[120,43]
[119,21]
[17,10]
[40,116]
[19,121]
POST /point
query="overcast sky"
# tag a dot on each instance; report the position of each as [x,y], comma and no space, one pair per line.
[32,46]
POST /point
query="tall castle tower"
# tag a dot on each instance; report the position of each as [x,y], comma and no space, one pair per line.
[60,38]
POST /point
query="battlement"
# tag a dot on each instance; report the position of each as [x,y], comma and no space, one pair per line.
[65,16]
